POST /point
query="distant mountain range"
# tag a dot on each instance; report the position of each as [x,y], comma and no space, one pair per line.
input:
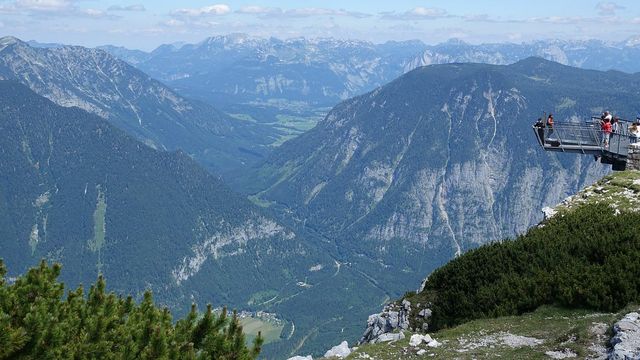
[242,69]
[235,69]
[97,82]
[591,54]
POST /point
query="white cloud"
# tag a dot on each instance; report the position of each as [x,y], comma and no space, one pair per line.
[43,5]
[173,23]
[53,8]
[135,7]
[298,12]
[418,13]
[312,11]
[479,18]
[557,20]
[427,12]
[94,13]
[514,36]
[211,10]
[259,10]
[607,8]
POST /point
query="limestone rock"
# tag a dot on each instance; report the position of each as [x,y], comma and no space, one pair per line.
[425,313]
[434,343]
[417,339]
[308,357]
[548,212]
[626,339]
[390,337]
[393,318]
[340,351]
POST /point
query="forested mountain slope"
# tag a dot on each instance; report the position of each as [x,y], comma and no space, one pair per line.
[95,81]
[77,190]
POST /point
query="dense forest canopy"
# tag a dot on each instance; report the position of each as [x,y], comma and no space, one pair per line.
[586,258]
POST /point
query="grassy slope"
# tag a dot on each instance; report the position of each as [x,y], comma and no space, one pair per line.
[620,190]
[560,329]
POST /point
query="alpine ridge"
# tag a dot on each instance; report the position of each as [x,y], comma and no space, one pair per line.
[97,82]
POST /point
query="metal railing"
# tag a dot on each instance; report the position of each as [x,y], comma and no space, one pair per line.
[585,138]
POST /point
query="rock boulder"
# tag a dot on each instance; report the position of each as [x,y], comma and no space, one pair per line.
[626,339]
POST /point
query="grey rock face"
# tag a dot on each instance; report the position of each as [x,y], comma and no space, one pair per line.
[340,351]
[633,161]
[438,162]
[390,337]
[425,313]
[626,339]
[383,326]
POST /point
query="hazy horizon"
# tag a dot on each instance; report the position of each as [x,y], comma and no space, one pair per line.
[146,24]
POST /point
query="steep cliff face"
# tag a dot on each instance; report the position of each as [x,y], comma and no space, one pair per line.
[97,82]
[440,161]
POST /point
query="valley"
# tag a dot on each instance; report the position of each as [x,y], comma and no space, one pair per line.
[305,182]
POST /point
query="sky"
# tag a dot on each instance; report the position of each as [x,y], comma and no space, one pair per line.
[146,24]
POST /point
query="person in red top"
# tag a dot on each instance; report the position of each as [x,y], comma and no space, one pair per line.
[606,131]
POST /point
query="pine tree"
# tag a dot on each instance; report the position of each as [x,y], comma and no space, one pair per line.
[36,323]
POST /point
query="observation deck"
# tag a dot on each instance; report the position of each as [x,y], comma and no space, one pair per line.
[587,138]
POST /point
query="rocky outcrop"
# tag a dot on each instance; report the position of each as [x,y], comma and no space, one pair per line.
[340,351]
[618,190]
[387,325]
[418,339]
[626,339]
[633,160]
[389,337]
